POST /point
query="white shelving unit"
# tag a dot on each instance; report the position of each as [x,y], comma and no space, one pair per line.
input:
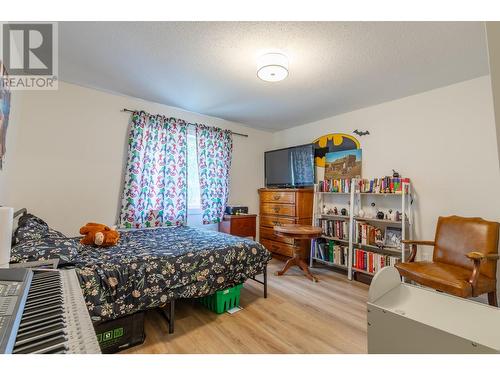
[354,201]
[340,200]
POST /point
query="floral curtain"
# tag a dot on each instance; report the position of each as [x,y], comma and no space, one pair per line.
[215,147]
[155,187]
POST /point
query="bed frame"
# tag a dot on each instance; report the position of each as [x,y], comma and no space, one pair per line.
[263,282]
[168,311]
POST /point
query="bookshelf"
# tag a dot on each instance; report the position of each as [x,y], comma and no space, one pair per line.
[348,240]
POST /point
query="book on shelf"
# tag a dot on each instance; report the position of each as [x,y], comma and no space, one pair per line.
[335,228]
[371,262]
[331,252]
[340,185]
[366,234]
[383,185]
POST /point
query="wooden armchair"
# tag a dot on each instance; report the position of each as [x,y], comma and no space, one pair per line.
[464,261]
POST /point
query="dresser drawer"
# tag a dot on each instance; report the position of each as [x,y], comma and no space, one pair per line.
[271,221]
[277,209]
[268,234]
[277,196]
[278,247]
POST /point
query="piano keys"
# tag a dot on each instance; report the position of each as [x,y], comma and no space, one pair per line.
[46,313]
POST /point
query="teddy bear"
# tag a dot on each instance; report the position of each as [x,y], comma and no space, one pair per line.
[99,235]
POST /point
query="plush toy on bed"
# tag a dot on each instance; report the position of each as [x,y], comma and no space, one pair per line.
[99,235]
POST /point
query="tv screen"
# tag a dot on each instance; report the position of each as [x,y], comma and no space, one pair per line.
[290,167]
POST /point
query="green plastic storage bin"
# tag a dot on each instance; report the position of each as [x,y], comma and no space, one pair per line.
[222,300]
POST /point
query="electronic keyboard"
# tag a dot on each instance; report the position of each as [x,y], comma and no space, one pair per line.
[43,311]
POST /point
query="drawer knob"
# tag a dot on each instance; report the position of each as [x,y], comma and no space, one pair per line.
[276,209]
[277,197]
[277,223]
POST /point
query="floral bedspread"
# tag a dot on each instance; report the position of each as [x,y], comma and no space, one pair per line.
[149,267]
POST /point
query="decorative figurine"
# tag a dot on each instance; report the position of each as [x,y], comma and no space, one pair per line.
[389,215]
[380,215]
[397,216]
[373,211]
[335,211]
[343,212]
[395,174]
[392,215]
[361,213]
[325,210]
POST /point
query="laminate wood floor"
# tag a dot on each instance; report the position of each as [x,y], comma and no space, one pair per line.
[297,317]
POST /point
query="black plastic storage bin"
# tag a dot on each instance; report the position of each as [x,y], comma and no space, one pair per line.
[121,333]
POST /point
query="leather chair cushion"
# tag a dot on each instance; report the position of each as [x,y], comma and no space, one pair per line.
[446,278]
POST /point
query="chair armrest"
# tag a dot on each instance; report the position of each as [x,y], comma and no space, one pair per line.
[414,244]
[477,257]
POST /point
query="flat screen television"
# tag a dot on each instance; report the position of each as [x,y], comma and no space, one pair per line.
[291,167]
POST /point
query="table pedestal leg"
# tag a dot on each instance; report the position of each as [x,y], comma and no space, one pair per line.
[289,263]
[303,265]
[297,260]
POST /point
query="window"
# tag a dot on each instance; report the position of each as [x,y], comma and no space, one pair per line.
[194,200]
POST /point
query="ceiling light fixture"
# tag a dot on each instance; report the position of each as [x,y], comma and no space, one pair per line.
[272,67]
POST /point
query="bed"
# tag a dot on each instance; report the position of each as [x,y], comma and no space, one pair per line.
[147,268]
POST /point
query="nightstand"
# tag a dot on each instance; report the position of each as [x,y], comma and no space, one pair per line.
[239,225]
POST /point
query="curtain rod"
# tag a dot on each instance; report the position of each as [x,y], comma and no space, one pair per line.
[234,133]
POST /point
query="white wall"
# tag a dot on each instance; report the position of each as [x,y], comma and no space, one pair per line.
[69,152]
[443,139]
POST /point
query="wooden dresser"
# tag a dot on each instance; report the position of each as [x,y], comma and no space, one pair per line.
[283,206]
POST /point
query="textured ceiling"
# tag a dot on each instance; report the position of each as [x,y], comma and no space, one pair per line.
[210,67]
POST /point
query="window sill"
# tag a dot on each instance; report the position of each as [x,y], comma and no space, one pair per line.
[195,211]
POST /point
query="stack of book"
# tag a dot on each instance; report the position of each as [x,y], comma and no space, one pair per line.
[335,228]
[372,262]
[366,234]
[341,185]
[382,185]
[331,252]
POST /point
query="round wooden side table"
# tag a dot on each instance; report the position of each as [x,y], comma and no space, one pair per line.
[298,233]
